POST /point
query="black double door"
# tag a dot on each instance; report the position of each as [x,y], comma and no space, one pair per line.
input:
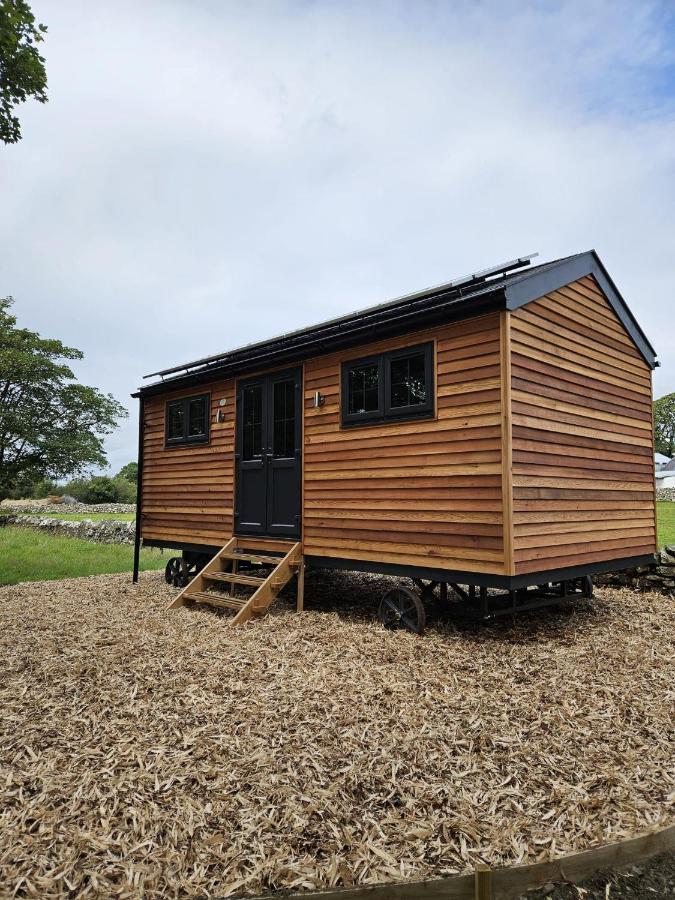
[269,454]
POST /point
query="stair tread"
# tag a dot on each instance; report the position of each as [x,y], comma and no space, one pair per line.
[234,578]
[252,557]
[212,600]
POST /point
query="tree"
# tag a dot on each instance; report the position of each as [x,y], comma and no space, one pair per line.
[129,472]
[50,426]
[22,69]
[664,425]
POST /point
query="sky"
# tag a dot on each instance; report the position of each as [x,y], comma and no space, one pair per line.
[209,173]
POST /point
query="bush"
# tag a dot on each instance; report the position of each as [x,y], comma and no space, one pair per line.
[128,472]
[44,488]
[126,490]
[102,489]
[26,488]
[77,488]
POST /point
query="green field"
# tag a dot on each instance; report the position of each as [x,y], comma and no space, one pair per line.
[665,514]
[27,555]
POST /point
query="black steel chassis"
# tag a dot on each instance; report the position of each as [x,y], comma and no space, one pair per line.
[467,596]
[476,603]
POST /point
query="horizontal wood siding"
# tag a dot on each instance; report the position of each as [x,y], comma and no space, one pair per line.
[427,492]
[188,491]
[583,466]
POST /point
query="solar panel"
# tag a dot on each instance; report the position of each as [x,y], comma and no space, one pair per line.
[465,280]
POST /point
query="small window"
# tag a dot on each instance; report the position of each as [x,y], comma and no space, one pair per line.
[394,385]
[362,395]
[187,420]
[409,382]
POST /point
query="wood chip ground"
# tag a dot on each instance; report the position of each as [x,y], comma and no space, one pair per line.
[155,754]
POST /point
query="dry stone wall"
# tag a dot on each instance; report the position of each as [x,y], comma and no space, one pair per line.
[108,532]
[659,576]
[42,506]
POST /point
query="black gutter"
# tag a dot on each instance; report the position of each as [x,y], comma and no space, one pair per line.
[139,490]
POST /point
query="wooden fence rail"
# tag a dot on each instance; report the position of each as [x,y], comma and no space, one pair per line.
[508,883]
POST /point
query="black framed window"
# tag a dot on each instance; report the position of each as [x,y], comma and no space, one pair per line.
[187,420]
[394,385]
[362,395]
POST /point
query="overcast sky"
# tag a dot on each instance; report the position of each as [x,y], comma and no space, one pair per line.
[206,174]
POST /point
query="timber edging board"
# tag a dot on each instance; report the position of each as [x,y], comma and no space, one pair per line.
[510,882]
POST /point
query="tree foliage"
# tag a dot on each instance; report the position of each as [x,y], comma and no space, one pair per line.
[129,472]
[50,426]
[22,69]
[664,425]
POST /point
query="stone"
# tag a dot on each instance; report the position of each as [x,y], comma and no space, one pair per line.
[110,532]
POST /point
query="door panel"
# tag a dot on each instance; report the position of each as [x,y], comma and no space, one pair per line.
[269,455]
[284,457]
[251,471]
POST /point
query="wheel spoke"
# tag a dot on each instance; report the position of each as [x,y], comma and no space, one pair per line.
[402,608]
[411,624]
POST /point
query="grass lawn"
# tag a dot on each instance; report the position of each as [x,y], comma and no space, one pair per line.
[27,555]
[665,512]
[93,517]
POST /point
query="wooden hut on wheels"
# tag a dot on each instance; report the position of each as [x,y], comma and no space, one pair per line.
[490,439]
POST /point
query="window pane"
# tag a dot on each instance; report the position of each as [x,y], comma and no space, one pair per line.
[252,421]
[284,419]
[363,388]
[408,381]
[197,417]
[175,420]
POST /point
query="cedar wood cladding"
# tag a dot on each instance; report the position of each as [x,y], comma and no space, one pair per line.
[432,492]
[188,492]
[583,465]
[416,493]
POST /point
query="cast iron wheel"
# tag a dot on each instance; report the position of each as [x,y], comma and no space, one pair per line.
[402,608]
[172,569]
[177,572]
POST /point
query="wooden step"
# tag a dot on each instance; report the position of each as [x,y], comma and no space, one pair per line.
[285,565]
[253,557]
[234,578]
[271,544]
[223,602]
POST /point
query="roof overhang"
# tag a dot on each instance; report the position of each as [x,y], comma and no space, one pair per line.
[536,284]
[415,312]
[319,340]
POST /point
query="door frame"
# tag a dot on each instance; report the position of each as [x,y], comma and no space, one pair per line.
[267,378]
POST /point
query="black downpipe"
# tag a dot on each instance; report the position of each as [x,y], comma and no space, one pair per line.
[139,490]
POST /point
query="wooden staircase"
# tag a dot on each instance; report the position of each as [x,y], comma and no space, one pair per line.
[282,558]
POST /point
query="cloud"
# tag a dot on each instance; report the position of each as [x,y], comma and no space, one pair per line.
[208,174]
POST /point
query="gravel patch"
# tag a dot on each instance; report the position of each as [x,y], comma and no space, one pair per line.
[166,755]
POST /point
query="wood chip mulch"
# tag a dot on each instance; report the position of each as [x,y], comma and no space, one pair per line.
[145,753]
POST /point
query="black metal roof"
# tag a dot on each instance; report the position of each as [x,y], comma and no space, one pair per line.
[495,289]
